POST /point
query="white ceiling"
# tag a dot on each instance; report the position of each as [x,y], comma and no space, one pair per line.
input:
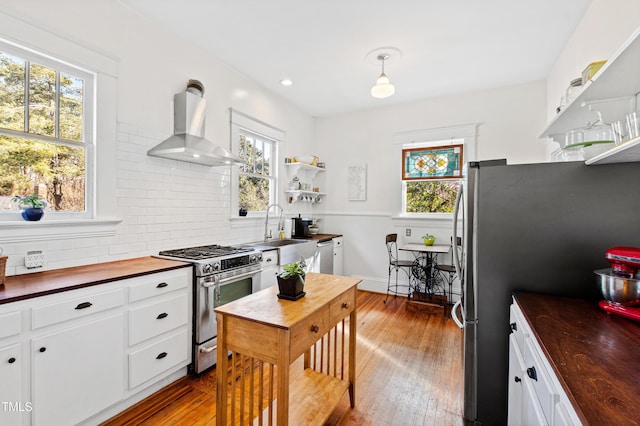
[446,46]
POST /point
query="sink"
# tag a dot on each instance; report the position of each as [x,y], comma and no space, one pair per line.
[289,250]
[276,243]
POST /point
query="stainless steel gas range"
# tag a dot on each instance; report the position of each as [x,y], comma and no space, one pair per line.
[221,274]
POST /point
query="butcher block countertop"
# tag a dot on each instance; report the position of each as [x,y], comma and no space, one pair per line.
[595,356]
[20,287]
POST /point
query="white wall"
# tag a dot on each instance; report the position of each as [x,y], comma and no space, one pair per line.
[163,203]
[510,118]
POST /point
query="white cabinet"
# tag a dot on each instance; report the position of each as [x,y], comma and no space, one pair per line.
[306,176]
[65,357]
[269,269]
[337,256]
[77,372]
[535,394]
[13,406]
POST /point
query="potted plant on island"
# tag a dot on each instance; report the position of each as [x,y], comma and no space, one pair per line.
[32,206]
[291,281]
[428,239]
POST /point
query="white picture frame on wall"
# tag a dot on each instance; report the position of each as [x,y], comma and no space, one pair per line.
[357,184]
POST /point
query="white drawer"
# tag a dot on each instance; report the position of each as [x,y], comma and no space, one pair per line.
[159,283]
[152,320]
[542,382]
[11,324]
[77,307]
[152,360]
[269,258]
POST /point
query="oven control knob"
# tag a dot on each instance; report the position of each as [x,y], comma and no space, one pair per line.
[253,258]
[207,268]
[216,267]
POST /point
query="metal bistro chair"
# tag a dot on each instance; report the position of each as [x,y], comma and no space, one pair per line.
[448,272]
[396,265]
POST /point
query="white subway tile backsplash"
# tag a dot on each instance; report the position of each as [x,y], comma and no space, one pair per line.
[164,204]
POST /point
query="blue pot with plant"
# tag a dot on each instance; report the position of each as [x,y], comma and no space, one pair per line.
[32,206]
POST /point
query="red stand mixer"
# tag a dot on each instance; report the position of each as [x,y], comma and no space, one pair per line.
[620,284]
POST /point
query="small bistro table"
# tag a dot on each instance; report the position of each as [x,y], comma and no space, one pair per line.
[423,270]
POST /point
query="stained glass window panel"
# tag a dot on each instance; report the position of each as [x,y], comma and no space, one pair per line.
[439,162]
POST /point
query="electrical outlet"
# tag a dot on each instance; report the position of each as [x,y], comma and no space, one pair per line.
[407,232]
[34,259]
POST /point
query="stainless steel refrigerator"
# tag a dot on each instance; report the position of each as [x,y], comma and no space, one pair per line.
[532,227]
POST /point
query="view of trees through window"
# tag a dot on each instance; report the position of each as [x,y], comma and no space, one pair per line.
[256,176]
[431,196]
[41,134]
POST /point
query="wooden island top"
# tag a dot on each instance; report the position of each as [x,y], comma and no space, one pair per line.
[265,307]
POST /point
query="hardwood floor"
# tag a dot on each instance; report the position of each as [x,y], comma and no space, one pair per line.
[409,373]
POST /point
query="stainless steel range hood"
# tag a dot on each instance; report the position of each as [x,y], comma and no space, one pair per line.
[188,142]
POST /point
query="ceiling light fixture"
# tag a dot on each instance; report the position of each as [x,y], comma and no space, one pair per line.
[383,89]
[286,82]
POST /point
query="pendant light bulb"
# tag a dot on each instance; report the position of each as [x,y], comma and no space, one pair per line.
[383,88]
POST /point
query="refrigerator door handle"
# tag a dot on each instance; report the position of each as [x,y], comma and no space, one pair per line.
[454,316]
[456,210]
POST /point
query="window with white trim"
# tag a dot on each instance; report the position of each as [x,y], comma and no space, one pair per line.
[254,184]
[46,132]
[432,196]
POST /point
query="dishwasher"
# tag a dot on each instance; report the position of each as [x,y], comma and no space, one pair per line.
[325,254]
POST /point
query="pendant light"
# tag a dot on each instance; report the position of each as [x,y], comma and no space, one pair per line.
[383,89]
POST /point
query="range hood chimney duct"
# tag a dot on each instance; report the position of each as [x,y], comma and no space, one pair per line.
[188,142]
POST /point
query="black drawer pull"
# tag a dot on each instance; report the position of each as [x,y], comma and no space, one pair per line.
[345,305]
[161,355]
[162,315]
[42,349]
[517,379]
[161,285]
[514,327]
[315,328]
[84,305]
[12,360]
[531,372]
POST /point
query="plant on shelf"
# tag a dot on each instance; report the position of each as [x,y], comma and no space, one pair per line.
[428,239]
[32,206]
[291,281]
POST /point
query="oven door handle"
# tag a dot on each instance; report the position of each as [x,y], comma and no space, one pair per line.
[238,277]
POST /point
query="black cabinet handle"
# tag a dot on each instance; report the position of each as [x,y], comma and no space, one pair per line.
[514,327]
[517,379]
[162,315]
[12,360]
[84,305]
[42,349]
[161,285]
[531,372]
[345,305]
[315,328]
[161,355]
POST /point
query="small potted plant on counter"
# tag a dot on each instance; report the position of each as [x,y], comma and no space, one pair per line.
[428,239]
[32,206]
[291,281]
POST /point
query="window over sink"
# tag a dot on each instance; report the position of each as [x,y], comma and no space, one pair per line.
[254,184]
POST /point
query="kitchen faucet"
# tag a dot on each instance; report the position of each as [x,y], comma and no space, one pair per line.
[267,232]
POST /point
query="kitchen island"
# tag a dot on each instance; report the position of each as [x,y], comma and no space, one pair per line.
[262,330]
